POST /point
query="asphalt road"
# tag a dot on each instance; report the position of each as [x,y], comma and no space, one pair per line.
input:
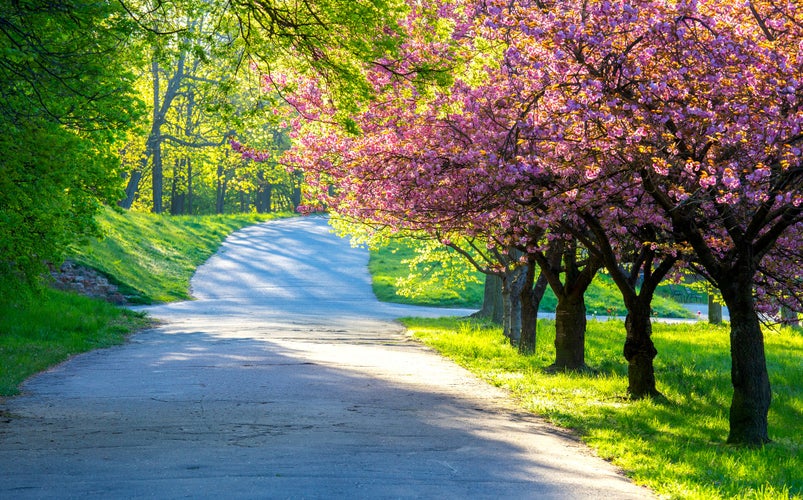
[284,379]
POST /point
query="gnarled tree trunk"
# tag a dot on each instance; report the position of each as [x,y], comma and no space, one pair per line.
[570,332]
[751,384]
[640,351]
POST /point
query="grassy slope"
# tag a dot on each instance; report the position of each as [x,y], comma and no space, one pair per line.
[386,268]
[153,257]
[677,448]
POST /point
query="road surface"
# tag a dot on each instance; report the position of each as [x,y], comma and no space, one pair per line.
[284,379]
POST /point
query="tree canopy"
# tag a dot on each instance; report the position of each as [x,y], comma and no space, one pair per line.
[654,133]
[67,98]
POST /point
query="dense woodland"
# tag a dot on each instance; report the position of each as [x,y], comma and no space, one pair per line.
[543,141]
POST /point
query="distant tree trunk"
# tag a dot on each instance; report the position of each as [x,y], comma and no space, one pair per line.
[177,198]
[296,198]
[529,310]
[263,197]
[131,188]
[177,204]
[153,146]
[751,384]
[539,288]
[515,309]
[189,186]
[512,282]
[491,300]
[157,175]
[220,191]
[173,188]
[298,178]
[714,311]
[789,317]
[506,309]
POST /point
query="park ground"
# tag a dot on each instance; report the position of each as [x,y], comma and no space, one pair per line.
[675,447]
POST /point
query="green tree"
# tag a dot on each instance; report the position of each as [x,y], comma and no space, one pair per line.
[66,101]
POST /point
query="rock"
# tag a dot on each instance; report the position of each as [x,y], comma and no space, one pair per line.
[85,281]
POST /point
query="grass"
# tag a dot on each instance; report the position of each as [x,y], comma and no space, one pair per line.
[387,268]
[152,257]
[676,448]
[43,329]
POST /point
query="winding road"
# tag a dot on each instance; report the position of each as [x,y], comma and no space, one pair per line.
[286,378]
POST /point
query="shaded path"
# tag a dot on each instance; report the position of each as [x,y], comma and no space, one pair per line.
[285,379]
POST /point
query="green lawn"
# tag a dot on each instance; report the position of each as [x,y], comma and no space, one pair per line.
[388,267]
[676,448]
[45,328]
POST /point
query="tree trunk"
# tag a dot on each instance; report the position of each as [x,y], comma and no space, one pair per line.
[506,310]
[539,288]
[189,186]
[131,189]
[515,316]
[511,300]
[153,148]
[156,172]
[158,179]
[570,314]
[570,333]
[176,198]
[639,352]
[789,317]
[298,179]
[263,198]
[220,191]
[714,311]
[491,300]
[529,311]
[751,384]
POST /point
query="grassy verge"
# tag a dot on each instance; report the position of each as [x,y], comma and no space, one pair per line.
[387,268]
[676,448]
[152,257]
[48,327]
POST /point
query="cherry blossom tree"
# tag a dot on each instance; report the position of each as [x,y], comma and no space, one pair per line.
[653,132]
[700,103]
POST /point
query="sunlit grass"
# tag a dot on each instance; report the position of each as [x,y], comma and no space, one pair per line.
[387,268]
[153,256]
[676,448]
[44,329]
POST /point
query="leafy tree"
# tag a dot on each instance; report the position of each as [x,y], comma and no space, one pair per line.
[67,101]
